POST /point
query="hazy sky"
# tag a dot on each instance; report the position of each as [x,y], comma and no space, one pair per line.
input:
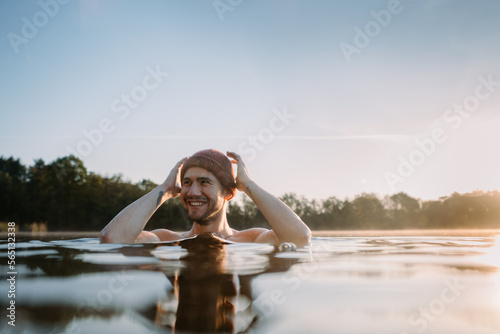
[321,98]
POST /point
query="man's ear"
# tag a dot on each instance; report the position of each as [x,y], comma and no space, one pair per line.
[228,195]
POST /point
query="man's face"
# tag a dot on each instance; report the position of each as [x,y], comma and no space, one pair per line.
[202,195]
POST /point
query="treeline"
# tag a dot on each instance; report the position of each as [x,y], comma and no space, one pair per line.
[67,197]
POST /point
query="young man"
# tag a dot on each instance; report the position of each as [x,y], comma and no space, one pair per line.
[206,183]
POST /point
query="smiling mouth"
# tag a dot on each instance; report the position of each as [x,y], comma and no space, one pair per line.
[196,203]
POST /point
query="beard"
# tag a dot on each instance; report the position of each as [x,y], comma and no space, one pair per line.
[213,212]
[207,218]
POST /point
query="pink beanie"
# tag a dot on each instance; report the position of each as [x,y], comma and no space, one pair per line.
[216,163]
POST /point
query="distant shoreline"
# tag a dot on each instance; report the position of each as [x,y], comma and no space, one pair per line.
[351,233]
[410,233]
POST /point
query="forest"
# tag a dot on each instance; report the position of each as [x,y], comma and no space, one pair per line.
[64,196]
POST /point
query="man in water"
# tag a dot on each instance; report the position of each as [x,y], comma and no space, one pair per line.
[207,182]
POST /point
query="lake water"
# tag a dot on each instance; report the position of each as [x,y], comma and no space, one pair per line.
[363,284]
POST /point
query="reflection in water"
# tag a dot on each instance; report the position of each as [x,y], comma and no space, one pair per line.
[205,290]
[212,286]
[340,285]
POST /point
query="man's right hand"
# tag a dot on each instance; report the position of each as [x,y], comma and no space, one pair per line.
[128,225]
[173,183]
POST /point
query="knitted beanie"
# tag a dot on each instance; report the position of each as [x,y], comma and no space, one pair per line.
[216,163]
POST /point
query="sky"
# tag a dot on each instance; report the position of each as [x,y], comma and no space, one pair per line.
[321,98]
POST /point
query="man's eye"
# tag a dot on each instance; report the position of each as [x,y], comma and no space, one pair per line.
[185,183]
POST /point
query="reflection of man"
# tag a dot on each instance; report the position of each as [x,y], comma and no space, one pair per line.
[206,293]
[205,289]
[206,183]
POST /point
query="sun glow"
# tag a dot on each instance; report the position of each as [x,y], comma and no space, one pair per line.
[491,255]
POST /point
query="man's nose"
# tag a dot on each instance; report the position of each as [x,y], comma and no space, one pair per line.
[194,190]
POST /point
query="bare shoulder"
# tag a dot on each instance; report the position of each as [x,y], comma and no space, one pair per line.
[158,235]
[167,235]
[256,234]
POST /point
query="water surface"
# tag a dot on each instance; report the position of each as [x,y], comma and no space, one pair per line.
[392,284]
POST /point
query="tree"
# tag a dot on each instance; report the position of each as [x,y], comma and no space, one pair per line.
[433,214]
[333,214]
[403,211]
[41,193]
[369,212]
[13,176]
[68,197]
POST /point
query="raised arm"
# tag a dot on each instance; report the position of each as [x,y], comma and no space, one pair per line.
[287,226]
[130,222]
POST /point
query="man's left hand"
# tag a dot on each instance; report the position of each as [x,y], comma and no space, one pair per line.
[242,178]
